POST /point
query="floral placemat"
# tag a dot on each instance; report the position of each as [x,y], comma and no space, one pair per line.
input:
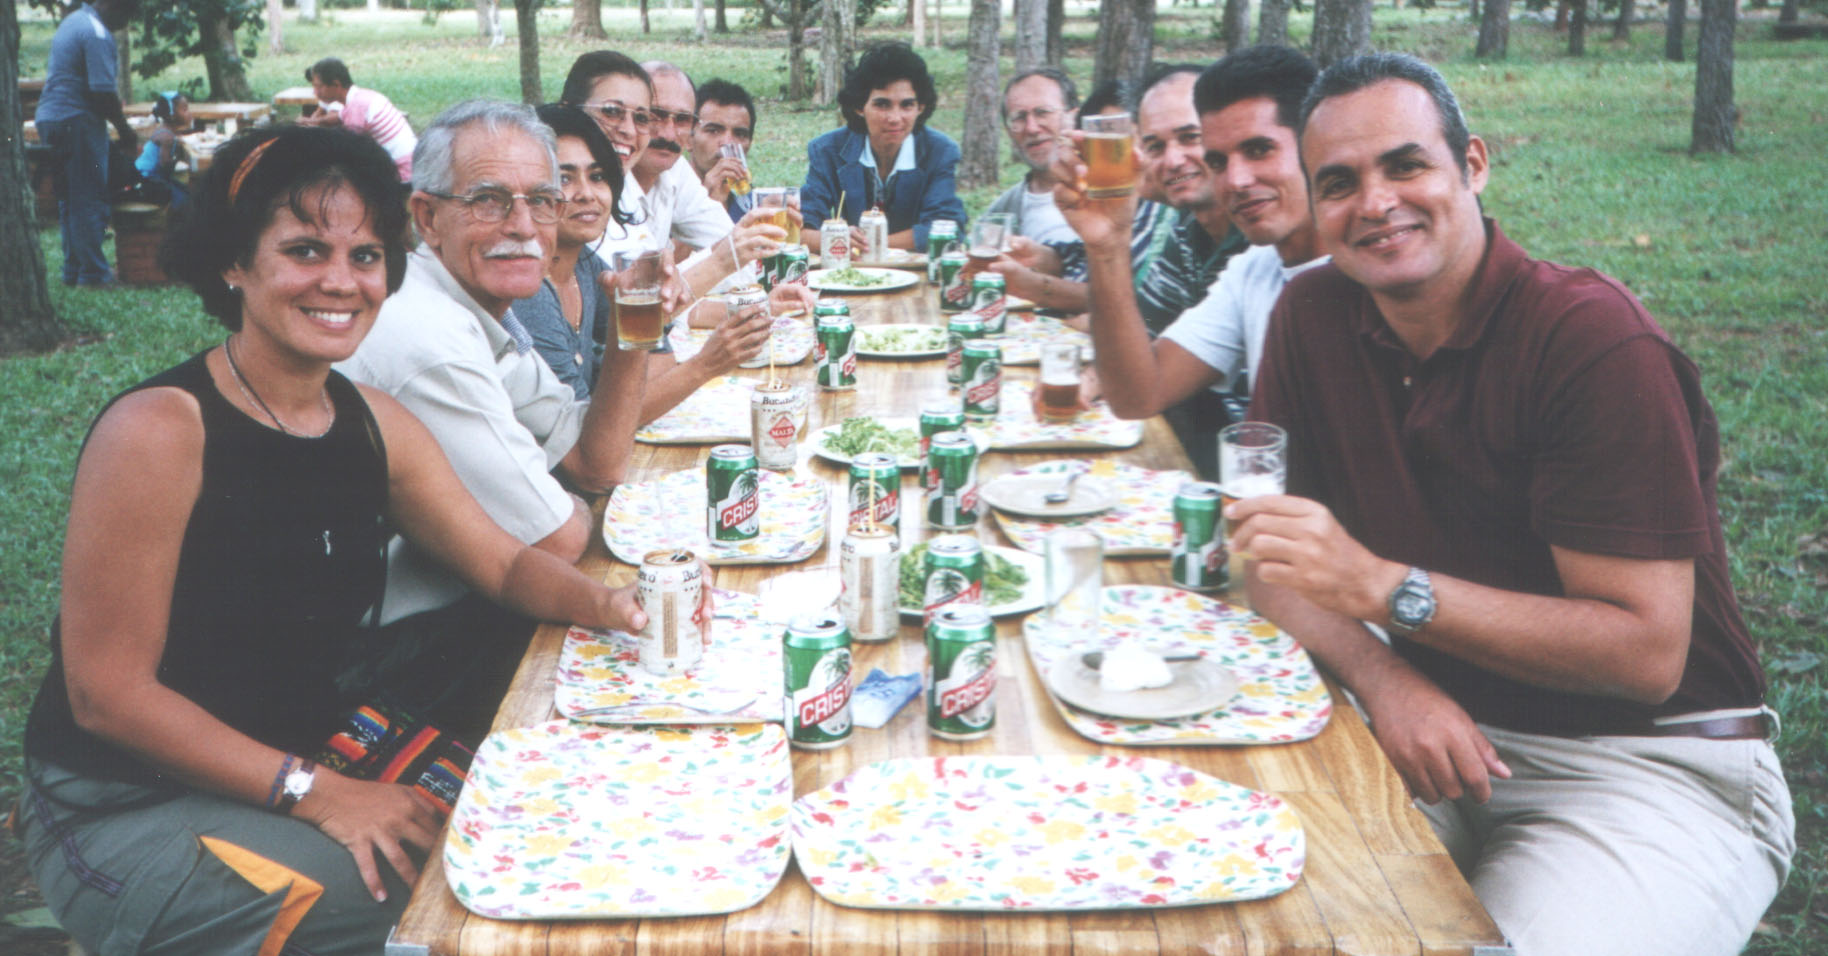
[1043,833]
[1282,698]
[792,340]
[1142,522]
[1022,338]
[574,821]
[600,679]
[1016,427]
[669,512]
[717,412]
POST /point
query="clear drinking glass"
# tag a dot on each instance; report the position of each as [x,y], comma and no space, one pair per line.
[637,299]
[1109,171]
[790,197]
[773,201]
[1059,381]
[735,151]
[1075,584]
[1253,461]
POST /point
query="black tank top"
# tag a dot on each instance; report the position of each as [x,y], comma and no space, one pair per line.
[282,558]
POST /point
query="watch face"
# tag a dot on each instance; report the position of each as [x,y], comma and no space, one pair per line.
[298,783]
[1411,607]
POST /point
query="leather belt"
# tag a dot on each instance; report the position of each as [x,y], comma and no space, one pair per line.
[1738,727]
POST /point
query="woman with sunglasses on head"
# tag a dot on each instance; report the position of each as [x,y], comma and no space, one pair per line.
[227,536]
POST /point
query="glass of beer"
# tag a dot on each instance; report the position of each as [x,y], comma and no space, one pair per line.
[772,201]
[735,151]
[1059,382]
[989,237]
[1109,171]
[1253,461]
[791,197]
[637,299]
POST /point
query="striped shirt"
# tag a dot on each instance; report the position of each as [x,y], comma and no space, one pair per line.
[376,117]
[1184,270]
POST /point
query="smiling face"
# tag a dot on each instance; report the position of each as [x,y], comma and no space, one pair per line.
[588,196]
[628,94]
[668,134]
[719,124]
[1256,174]
[889,115]
[1035,112]
[313,286]
[1390,203]
[495,262]
[1168,140]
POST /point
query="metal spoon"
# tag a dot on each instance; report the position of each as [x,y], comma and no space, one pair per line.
[1095,659]
[1064,493]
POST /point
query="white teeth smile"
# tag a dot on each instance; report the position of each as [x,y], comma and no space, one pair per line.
[332,318]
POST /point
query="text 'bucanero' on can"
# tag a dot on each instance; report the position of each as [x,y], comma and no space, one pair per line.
[869,563]
[777,415]
[961,673]
[668,585]
[816,654]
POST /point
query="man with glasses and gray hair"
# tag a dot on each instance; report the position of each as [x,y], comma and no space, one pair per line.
[486,204]
[1038,107]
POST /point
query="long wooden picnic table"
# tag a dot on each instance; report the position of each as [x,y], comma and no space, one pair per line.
[1376,880]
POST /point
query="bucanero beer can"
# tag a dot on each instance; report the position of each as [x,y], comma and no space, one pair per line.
[989,300]
[668,585]
[954,286]
[777,415]
[835,352]
[733,494]
[834,244]
[981,379]
[817,656]
[951,573]
[942,233]
[1198,559]
[961,673]
[939,415]
[880,471]
[869,562]
[794,262]
[874,224]
[952,501]
[960,328]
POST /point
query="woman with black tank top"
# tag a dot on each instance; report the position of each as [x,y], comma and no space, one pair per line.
[227,537]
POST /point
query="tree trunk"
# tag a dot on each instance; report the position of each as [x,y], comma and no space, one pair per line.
[276,12]
[1342,28]
[1577,28]
[28,323]
[645,27]
[917,21]
[977,165]
[488,22]
[1272,22]
[1474,12]
[796,50]
[1789,12]
[1673,30]
[700,30]
[587,19]
[1715,114]
[307,11]
[228,81]
[837,39]
[1561,15]
[721,24]
[1126,40]
[1031,34]
[527,24]
[1235,31]
[1621,28]
[1056,24]
[1494,30]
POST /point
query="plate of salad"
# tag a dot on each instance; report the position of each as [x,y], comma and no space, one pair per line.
[861,279]
[901,341]
[1015,581]
[852,437]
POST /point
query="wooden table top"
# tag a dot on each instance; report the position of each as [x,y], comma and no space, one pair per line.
[1376,880]
[211,112]
[295,96]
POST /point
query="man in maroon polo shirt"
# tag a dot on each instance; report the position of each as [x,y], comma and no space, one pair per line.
[1507,465]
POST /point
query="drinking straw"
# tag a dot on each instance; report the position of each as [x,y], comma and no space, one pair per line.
[869,505]
[839,212]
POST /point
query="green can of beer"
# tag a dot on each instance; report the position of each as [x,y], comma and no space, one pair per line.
[1199,561]
[794,261]
[989,300]
[952,501]
[816,653]
[954,285]
[878,470]
[770,271]
[961,673]
[981,379]
[823,307]
[835,352]
[951,572]
[942,233]
[961,327]
[732,494]
[939,415]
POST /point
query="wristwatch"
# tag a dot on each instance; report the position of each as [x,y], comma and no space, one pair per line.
[297,784]
[1412,604]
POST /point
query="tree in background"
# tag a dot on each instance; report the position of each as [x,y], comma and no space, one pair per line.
[1577,28]
[1272,22]
[793,15]
[977,165]
[1056,23]
[1234,30]
[527,24]
[1621,28]
[1672,31]
[1031,34]
[1715,115]
[1342,28]
[1126,40]
[488,21]
[1494,30]
[837,44]
[587,20]
[28,323]
[205,28]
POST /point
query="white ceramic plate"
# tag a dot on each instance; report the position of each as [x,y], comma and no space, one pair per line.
[818,436]
[892,279]
[864,335]
[1198,687]
[1027,495]
[1034,592]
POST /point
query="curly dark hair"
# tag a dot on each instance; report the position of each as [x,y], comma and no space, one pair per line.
[216,231]
[881,65]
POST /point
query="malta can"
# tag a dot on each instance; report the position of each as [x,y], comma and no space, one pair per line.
[884,507]
[1198,556]
[989,300]
[733,494]
[981,379]
[835,352]
[834,244]
[667,586]
[777,415]
[961,673]
[869,563]
[954,286]
[952,502]
[939,415]
[951,573]
[960,328]
[816,652]
[942,233]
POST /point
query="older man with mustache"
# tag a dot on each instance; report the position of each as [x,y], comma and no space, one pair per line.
[486,203]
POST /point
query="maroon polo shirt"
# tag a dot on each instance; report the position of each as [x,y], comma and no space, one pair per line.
[1560,414]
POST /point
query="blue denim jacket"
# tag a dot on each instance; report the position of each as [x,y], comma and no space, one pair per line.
[916,196]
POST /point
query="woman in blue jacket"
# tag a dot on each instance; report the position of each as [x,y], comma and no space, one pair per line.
[885,156]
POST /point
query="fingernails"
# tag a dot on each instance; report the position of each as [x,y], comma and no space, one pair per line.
[380,896]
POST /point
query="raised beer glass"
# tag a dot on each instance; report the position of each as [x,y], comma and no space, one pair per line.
[1059,382]
[1253,461]
[1109,170]
[790,197]
[739,186]
[772,200]
[637,299]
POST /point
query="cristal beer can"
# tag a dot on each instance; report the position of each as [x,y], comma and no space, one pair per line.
[981,379]
[834,244]
[793,264]
[954,283]
[942,233]
[869,562]
[952,502]
[732,494]
[961,673]
[939,415]
[777,415]
[989,300]
[880,470]
[817,652]
[1198,559]
[668,585]
[951,573]
[835,352]
[960,328]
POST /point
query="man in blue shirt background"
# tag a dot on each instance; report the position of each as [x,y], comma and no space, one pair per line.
[79,96]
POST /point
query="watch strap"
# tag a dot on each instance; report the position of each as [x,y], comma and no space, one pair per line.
[288,798]
[1415,582]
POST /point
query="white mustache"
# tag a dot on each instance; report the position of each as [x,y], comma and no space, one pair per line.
[514,248]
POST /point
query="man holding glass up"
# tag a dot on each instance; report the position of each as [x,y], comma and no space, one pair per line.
[1507,465]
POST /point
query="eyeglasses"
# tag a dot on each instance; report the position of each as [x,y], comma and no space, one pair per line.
[680,119]
[1041,115]
[614,112]
[494,205]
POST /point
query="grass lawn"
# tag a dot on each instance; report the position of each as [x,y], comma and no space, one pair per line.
[1591,169]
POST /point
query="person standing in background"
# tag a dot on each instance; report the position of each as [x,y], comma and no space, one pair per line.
[79,96]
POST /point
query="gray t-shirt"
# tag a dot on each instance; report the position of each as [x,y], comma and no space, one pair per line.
[83,61]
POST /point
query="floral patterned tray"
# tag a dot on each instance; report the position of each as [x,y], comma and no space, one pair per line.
[1141,523]
[669,512]
[572,821]
[1043,833]
[1016,428]
[1282,698]
[600,679]
[717,412]
[792,343]
[1022,338]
